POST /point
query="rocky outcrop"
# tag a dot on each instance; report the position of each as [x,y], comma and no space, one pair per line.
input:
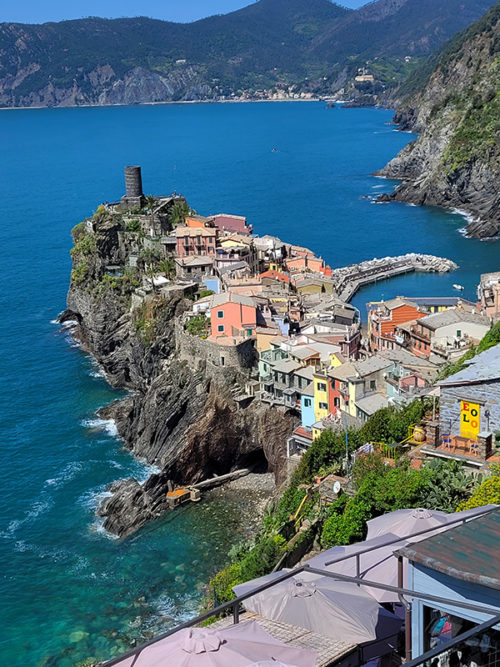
[455,162]
[181,414]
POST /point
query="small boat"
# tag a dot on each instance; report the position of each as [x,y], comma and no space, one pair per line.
[459,287]
[275,150]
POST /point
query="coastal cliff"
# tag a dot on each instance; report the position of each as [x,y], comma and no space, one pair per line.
[455,162]
[181,414]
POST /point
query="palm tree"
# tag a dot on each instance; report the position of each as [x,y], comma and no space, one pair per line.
[178,213]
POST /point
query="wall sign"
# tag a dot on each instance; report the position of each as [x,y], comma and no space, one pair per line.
[469,419]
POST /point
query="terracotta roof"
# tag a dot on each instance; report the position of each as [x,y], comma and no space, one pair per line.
[276,275]
[195,231]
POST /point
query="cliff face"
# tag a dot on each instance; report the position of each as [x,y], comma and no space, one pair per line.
[181,415]
[456,160]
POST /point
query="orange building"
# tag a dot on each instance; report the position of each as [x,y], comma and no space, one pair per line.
[383,319]
[271,276]
[198,221]
[306,263]
[233,315]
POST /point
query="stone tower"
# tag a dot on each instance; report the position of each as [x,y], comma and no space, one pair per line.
[134,197]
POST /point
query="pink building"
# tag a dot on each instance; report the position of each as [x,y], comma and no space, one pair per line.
[195,241]
[231,223]
[233,315]
[305,263]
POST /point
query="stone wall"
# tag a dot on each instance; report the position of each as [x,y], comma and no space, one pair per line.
[487,394]
[219,361]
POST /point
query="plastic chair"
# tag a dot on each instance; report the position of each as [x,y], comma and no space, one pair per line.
[474,447]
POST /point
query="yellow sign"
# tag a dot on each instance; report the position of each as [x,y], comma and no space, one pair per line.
[469,419]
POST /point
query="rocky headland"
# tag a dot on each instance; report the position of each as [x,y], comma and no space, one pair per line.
[181,414]
[455,162]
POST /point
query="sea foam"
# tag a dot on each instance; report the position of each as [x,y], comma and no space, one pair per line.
[108,425]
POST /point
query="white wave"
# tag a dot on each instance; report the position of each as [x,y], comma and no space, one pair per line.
[96,371]
[39,507]
[145,471]
[377,187]
[55,555]
[108,425]
[67,474]
[97,527]
[92,499]
[464,214]
[180,610]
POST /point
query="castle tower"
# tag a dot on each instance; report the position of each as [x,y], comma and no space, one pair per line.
[134,197]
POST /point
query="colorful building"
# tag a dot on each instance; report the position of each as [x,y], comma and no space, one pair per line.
[195,241]
[450,331]
[305,263]
[198,221]
[231,223]
[383,319]
[321,396]
[272,276]
[233,315]
[307,406]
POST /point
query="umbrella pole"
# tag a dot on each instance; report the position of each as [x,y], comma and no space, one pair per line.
[407,611]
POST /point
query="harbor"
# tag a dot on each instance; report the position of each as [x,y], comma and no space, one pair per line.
[348,280]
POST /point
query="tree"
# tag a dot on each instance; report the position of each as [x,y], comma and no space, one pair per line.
[151,202]
[149,259]
[178,212]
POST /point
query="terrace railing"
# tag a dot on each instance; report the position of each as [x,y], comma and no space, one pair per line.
[233,606]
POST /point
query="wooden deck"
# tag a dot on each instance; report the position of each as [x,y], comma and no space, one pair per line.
[330,651]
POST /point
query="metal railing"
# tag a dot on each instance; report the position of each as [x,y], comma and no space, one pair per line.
[233,606]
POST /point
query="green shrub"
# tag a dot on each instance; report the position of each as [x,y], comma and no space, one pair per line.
[198,325]
[262,558]
[346,527]
[220,586]
[488,492]
[133,225]
[79,272]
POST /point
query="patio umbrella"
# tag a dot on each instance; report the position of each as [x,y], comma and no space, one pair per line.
[378,565]
[238,645]
[405,522]
[328,607]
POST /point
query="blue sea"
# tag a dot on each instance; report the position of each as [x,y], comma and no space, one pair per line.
[68,591]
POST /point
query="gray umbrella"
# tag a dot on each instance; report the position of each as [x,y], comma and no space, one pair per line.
[332,608]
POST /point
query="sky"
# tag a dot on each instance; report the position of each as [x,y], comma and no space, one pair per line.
[36,11]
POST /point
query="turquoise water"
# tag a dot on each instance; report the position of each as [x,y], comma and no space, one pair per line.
[66,589]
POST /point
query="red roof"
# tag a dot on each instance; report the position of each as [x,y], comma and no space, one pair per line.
[276,275]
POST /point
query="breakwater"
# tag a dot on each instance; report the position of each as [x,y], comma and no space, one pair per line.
[349,279]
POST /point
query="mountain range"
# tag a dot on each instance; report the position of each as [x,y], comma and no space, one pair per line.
[310,46]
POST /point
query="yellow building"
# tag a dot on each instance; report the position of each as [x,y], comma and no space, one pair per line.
[336,359]
[321,408]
